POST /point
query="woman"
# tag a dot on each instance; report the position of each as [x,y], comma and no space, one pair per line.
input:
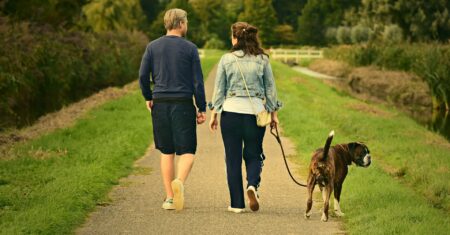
[238,120]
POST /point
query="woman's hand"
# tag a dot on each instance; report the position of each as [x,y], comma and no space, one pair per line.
[275,122]
[213,123]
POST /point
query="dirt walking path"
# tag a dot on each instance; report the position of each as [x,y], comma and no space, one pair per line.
[136,202]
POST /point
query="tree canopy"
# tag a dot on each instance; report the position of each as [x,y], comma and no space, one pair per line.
[306,22]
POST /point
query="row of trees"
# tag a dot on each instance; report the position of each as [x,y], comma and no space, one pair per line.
[383,20]
[308,22]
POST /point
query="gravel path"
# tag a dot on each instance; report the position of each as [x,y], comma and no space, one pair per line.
[136,202]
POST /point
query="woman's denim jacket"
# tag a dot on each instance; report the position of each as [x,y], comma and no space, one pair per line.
[258,75]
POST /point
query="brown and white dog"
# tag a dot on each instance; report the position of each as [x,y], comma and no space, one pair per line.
[328,169]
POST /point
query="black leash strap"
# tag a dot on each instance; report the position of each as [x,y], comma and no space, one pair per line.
[277,136]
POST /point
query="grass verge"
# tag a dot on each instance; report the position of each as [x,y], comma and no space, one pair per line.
[401,191]
[57,178]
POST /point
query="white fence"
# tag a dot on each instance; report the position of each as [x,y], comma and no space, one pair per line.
[296,55]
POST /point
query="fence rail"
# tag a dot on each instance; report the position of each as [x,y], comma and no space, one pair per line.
[296,55]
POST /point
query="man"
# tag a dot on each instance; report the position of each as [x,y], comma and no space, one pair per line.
[175,69]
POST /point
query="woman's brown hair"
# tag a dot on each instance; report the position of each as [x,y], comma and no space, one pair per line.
[247,39]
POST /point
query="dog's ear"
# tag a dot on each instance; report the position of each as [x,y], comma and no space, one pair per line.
[352,146]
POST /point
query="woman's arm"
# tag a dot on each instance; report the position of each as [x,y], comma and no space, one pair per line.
[272,102]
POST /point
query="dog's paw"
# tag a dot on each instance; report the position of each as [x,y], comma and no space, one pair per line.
[324,218]
[308,215]
[339,213]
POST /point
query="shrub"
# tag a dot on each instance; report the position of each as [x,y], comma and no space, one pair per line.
[330,35]
[392,34]
[360,34]
[343,35]
[214,43]
[43,69]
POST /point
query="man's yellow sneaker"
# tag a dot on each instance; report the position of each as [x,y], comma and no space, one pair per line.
[178,191]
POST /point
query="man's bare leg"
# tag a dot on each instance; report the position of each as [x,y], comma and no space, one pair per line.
[167,172]
[184,166]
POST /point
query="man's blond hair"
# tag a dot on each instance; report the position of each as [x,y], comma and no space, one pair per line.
[174,17]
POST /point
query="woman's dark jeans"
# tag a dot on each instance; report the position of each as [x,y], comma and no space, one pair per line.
[242,138]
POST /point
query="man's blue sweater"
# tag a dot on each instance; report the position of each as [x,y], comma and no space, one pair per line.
[175,69]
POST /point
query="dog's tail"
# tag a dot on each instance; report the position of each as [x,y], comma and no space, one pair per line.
[327,146]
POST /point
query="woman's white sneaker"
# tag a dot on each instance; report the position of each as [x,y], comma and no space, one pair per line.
[236,210]
[253,198]
[168,204]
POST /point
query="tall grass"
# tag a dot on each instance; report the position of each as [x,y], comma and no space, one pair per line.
[405,190]
[429,61]
[43,68]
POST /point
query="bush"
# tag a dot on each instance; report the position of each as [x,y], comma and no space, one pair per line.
[343,35]
[360,34]
[214,43]
[392,34]
[330,35]
[43,69]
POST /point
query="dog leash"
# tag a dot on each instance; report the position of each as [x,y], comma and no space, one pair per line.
[277,136]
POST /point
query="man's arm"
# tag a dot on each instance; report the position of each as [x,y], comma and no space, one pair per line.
[199,88]
[144,75]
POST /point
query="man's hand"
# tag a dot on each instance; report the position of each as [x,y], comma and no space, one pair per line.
[201,117]
[149,104]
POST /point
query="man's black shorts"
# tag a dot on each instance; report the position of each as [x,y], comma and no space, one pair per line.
[174,126]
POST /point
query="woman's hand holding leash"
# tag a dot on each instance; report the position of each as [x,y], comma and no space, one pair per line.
[275,122]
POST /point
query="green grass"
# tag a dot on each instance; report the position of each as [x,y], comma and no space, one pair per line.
[211,59]
[412,198]
[57,179]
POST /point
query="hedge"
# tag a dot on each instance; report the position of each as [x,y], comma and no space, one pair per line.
[43,68]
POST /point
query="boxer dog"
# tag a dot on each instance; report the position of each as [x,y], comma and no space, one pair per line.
[328,169]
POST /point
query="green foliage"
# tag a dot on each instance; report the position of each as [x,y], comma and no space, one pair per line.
[261,14]
[319,15]
[214,43]
[360,34]
[343,35]
[157,27]
[107,15]
[54,12]
[419,20]
[392,34]
[151,9]
[214,22]
[43,69]
[285,34]
[330,35]
[288,11]
[431,62]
